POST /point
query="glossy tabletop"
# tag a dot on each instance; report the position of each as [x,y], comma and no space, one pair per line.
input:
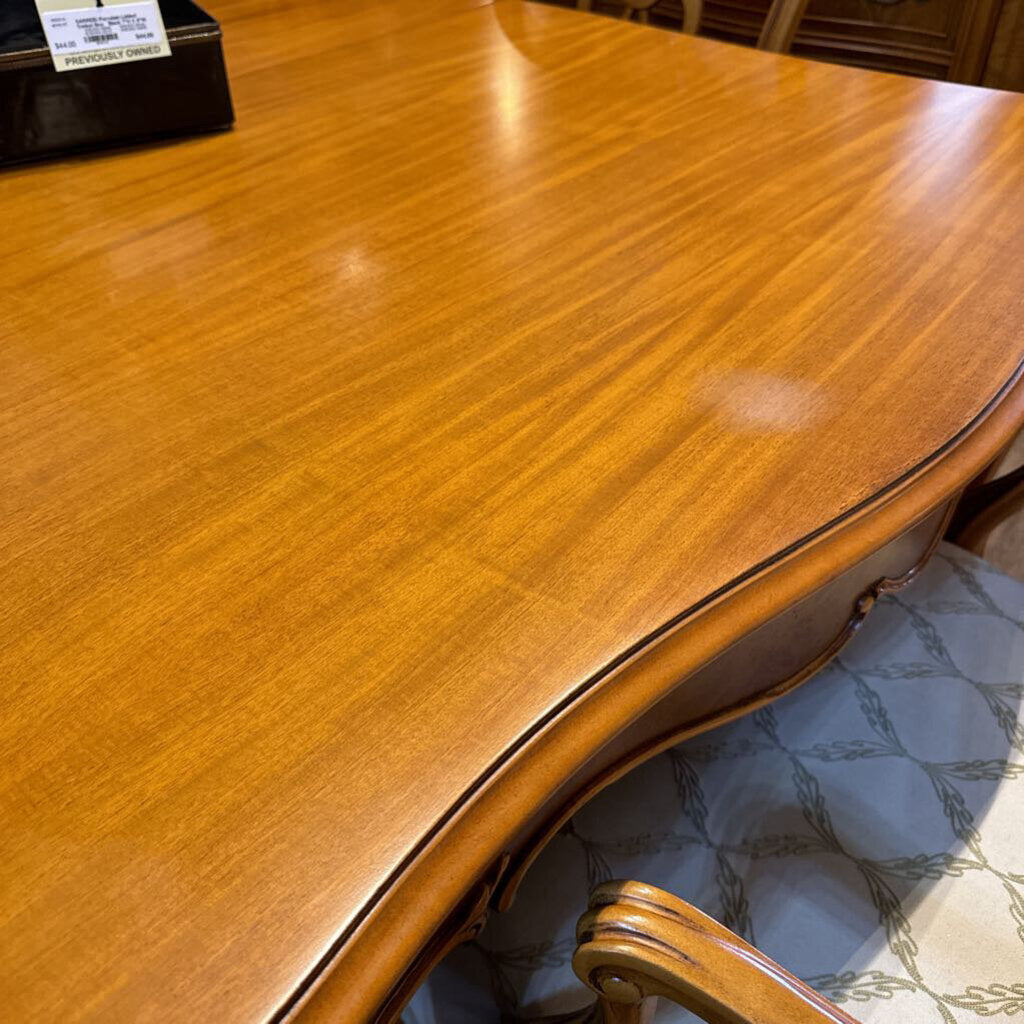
[343,452]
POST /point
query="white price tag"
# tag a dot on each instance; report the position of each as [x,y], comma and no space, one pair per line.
[114,33]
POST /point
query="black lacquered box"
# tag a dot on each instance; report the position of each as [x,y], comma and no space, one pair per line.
[45,113]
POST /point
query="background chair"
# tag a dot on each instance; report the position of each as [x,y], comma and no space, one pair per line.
[780,24]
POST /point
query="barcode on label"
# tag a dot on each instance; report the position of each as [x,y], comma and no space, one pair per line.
[87,33]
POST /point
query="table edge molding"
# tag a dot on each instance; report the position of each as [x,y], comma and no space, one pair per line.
[923,488]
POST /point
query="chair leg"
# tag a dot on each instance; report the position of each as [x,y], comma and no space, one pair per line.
[781,24]
[692,11]
[983,508]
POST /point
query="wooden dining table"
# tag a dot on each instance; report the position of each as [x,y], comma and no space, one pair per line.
[513,391]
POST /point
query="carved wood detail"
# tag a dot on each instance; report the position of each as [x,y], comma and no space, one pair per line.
[862,606]
[497,888]
[463,925]
[637,943]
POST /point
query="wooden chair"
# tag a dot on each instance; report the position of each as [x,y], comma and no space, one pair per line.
[777,34]
[638,943]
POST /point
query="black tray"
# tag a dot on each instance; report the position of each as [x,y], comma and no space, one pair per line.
[44,113]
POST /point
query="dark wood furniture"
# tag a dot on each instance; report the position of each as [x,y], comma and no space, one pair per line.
[944,39]
[977,41]
[778,26]
[986,506]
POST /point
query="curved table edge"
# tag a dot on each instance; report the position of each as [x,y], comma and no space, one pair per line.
[352,979]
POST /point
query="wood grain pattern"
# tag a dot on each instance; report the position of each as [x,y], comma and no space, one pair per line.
[787,650]
[638,943]
[365,468]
